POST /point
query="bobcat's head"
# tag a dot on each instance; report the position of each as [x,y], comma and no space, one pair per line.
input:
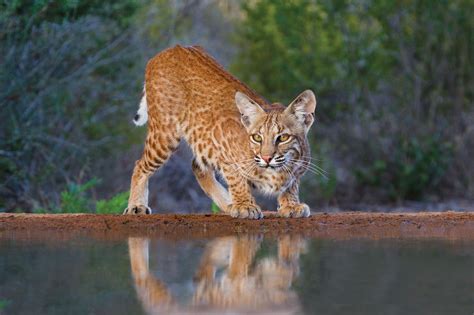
[277,137]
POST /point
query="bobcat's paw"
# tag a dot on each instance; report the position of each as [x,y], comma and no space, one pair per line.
[245,211]
[138,209]
[299,210]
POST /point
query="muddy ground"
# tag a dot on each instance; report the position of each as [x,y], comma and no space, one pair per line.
[445,225]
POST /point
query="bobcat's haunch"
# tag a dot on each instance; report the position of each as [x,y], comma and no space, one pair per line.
[230,129]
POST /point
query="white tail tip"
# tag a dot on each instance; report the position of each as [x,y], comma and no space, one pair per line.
[141,117]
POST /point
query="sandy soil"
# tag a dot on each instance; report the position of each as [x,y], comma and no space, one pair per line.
[445,225]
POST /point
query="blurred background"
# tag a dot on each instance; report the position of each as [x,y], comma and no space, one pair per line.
[394,80]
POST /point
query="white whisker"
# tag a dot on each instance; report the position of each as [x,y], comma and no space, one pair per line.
[308,166]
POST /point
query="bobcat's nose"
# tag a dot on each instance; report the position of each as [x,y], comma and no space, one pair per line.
[267,158]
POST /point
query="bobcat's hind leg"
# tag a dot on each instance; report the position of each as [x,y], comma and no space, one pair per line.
[211,186]
[158,149]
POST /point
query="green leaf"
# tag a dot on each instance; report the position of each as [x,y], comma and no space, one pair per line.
[215,208]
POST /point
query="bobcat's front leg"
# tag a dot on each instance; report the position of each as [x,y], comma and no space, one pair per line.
[243,204]
[289,205]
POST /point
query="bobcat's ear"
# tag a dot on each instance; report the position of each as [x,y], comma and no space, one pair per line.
[248,108]
[303,108]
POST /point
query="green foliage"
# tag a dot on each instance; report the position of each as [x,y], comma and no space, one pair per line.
[74,199]
[26,13]
[4,303]
[71,74]
[410,171]
[114,205]
[291,45]
[215,208]
[77,199]
[350,48]
[273,37]
[42,210]
[381,70]
[70,84]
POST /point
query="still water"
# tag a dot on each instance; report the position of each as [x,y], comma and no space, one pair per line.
[234,275]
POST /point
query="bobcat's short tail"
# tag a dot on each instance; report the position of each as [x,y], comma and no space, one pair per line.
[141,116]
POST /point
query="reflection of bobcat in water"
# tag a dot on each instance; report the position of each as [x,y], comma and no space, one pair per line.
[228,278]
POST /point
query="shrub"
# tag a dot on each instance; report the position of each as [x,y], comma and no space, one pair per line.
[75,199]
[69,88]
[115,205]
[416,167]
[381,72]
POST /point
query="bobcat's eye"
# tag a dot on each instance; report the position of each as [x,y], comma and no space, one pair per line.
[256,138]
[283,138]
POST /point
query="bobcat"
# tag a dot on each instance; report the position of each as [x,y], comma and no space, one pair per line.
[230,129]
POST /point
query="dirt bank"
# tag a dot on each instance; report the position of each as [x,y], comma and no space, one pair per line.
[446,225]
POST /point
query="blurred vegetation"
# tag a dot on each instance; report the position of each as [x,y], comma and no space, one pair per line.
[63,92]
[4,303]
[78,198]
[395,88]
[114,205]
[394,83]
[412,170]
[74,200]
[215,208]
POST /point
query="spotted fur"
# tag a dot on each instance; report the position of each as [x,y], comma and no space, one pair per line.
[189,96]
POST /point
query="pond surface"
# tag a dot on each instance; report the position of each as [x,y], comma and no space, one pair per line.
[233,275]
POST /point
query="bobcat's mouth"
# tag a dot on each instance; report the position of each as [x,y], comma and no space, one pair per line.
[275,163]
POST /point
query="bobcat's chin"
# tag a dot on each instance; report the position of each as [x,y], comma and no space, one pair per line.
[272,167]
[278,168]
